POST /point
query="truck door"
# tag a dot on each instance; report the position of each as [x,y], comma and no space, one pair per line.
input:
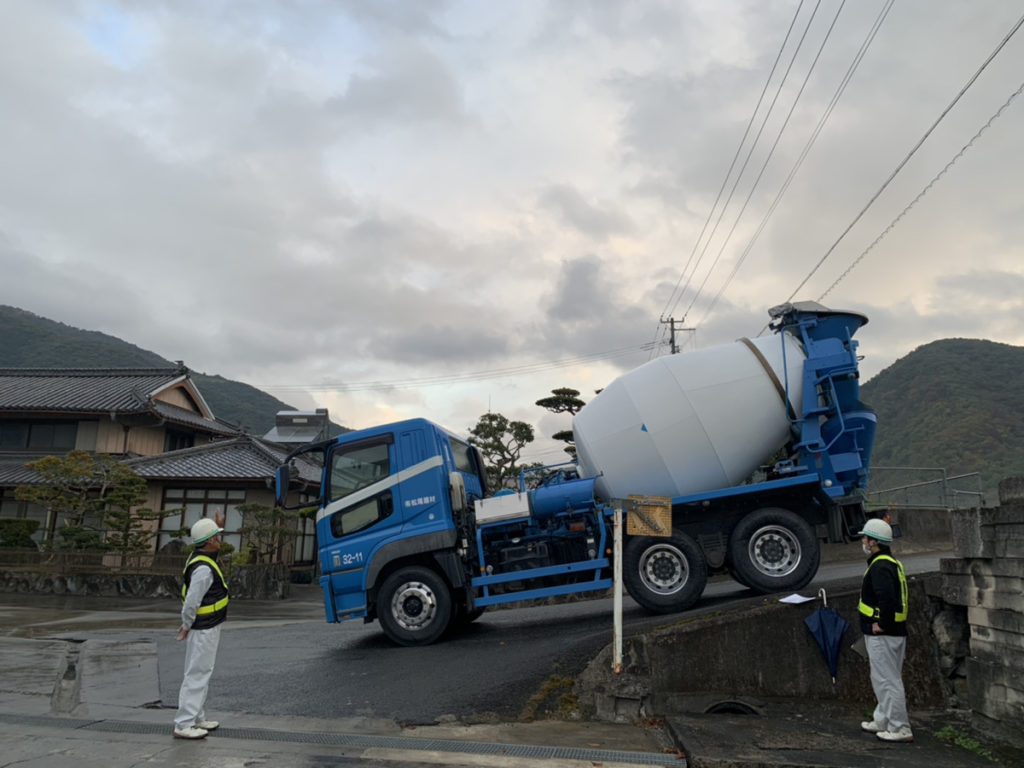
[358,513]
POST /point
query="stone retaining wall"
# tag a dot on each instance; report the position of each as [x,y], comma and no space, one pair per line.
[260,582]
[987,578]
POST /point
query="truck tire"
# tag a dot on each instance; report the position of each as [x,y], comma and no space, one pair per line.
[664,574]
[414,606]
[461,618]
[773,550]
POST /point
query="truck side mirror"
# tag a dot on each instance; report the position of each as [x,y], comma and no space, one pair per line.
[457,487]
[282,481]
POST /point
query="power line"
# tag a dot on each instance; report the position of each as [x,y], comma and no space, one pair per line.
[924,191]
[910,154]
[854,65]
[768,158]
[732,165]
[746,160]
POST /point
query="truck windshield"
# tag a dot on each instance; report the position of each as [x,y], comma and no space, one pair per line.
[355,468]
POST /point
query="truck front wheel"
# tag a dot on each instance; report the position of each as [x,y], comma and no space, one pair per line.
[664,574]
[773,550]
[414,606]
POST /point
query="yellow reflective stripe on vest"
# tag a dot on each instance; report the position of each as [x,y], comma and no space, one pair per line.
[872,612]
[218,606]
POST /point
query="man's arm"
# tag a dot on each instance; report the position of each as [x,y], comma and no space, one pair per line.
[201,581]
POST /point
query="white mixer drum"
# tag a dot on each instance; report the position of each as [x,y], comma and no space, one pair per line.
[691,422]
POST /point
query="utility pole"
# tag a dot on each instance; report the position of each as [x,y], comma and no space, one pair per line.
[671,322]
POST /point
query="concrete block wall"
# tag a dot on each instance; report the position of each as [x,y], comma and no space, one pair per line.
[987,577]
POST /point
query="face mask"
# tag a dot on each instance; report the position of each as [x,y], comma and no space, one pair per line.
[866,547]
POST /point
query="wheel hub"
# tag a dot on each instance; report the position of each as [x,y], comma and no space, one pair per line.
[775,551]
[663,570]
[414,605]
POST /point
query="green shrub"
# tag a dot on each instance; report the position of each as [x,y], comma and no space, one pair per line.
[17,532]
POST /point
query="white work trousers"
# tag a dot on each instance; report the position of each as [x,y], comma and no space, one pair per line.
[200,655]
[886,653]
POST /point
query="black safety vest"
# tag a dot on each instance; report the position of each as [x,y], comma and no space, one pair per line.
[872,611]
[214,607]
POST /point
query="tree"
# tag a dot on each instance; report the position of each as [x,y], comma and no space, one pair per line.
[80,488]
[122,491]
[501,442]
[64,490]
[564,400]
[267,530]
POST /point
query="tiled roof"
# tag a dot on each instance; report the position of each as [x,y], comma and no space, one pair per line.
[243,458]
[82,389]
[14,472]
[178,415]
[124,391]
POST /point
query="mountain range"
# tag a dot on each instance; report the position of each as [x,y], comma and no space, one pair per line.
[954,405]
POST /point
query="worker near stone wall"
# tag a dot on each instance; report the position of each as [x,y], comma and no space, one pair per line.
[883,612]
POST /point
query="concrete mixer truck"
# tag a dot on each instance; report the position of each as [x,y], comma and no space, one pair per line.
[736,459]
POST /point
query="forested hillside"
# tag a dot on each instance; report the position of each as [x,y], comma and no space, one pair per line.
[30,341]
[956,404]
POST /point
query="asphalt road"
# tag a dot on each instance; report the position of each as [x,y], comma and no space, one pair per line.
[281,658]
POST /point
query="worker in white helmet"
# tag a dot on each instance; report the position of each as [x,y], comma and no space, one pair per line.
[205,595]
[883,612]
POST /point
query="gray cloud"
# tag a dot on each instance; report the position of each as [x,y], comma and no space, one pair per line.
[596,220]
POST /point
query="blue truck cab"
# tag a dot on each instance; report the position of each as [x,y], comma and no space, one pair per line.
[390,498]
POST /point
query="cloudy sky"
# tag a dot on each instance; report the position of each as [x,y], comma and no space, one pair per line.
[419,207]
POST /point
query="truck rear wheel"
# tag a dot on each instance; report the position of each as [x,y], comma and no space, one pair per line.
[414,606]
[773,550]
[664,574]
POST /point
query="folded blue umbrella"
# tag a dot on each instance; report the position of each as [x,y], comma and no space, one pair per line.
[828,628]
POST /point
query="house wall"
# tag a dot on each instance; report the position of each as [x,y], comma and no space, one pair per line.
[256,492]
[143,441]
[179,397]
[86,436]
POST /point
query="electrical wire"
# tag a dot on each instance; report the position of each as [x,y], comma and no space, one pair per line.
[854,65]
[746,161]
[925,190]
[910,154]
[732,165]
[768,158]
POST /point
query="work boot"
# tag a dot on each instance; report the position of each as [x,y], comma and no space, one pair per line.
[190,733]
[208,725]
[868,725]
[900,734]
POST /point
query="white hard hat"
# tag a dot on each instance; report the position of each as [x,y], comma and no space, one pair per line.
[204,529]
[874,528]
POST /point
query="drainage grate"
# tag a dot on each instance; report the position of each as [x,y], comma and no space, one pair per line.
[357,740]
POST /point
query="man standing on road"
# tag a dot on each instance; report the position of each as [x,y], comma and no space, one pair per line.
[205,596]
[883,620]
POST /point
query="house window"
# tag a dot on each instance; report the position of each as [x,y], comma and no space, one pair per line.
[38,436]
[175,440]
[199,503]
